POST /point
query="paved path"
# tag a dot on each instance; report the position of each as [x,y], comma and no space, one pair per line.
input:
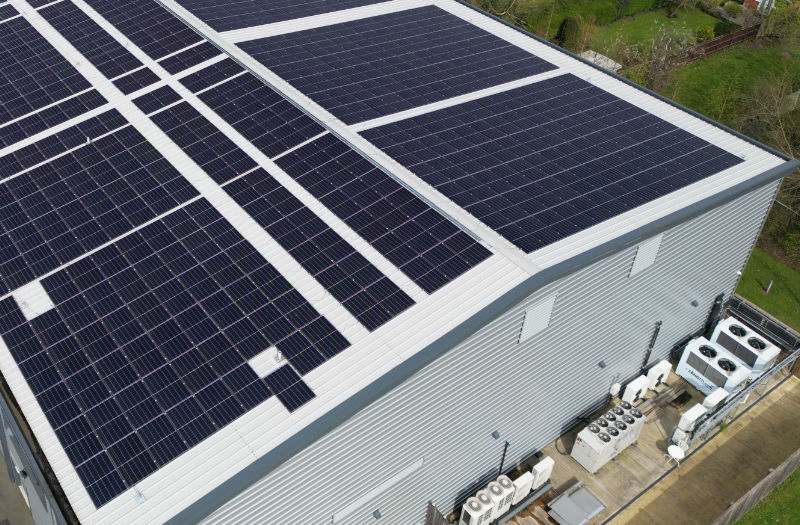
[727,466]
[13,509]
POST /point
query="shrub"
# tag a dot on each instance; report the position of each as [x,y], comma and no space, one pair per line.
[570,34]
[733,9]
[723,27]
[705,33]
[710,5]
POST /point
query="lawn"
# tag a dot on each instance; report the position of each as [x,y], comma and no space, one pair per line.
[783,301]
[717,86]
[782,505]
[639,30]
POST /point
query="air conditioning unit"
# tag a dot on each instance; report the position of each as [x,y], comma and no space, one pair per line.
[593,448]
[707,366]
[687,423]
[658,373]
[635,420]
[488,506]
[508,490]
[498,496]
[472,512]
[715,398]
[749,347]
[542,471]
[635,390]
[522,487]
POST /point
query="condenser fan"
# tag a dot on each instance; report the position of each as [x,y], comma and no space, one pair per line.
[625,405]
[708,351]
[727,365]
[601,422]
[613,431]
[604,437]
[737,330]
[594,429]
[756,343]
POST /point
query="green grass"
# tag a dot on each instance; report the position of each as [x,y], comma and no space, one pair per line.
[783,302]
[782,505]
[717,86]
[639,31]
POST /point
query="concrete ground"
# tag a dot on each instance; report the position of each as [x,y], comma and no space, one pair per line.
[13,509]
[714,473]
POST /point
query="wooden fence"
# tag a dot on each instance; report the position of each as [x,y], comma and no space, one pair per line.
[715,45]
[757,493]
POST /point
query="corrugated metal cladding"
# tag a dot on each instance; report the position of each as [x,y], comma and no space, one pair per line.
[529,392]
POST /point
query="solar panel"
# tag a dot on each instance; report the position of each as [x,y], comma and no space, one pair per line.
[149,26]
[32,73]
[58,143]
[191,57]
[60,210]
[376,66]
[235,14]
[259,113]
[541,162]
[145,353]
[99,47]
[425,245]
[213,74]
[136,80]
[219,157]
[33,123]
[39,3]
[157,99]
[7,11]
[352,280]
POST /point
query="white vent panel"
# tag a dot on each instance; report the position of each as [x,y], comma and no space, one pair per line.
[537,318]
[646,254]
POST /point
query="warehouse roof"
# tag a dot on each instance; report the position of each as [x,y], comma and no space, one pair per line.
[227,226]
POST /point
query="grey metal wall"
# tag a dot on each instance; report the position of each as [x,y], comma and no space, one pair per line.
[528,392]
[24,471]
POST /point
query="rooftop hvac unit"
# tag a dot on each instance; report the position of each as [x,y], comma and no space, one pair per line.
[542,472]
[498,496]
[635,389]
[625,437]
[715,398]
[707,366]
[508,492]
[748,346]
[488,506]
[472,512]
[636,421]
[658,373]
[692,417]
[593,448]
[522,487]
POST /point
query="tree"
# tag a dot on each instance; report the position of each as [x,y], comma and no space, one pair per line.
[783,23]
[677,5]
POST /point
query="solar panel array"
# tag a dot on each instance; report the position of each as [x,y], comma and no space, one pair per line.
[99,47]
[32,73]
[145,353]
[372,67]
[351,279]
[136,80]
[148,25]
[541,162]
[235,14]
[60,210]
[7,11]
[60,142]
[255,110]
[41,120]
[190,57]
[426,246]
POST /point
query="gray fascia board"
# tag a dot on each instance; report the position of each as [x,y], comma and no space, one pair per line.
[355,403]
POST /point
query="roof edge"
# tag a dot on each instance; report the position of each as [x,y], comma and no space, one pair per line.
[631,83]
[393,378]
